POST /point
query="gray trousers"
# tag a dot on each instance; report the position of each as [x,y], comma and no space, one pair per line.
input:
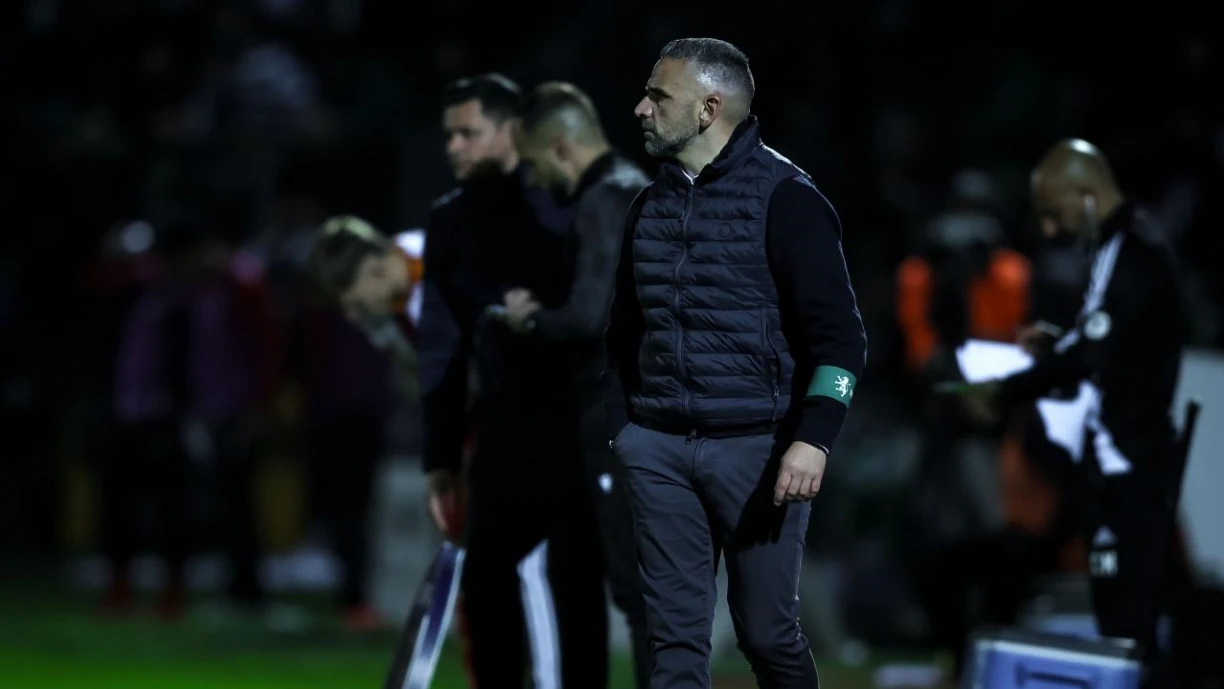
[692,500]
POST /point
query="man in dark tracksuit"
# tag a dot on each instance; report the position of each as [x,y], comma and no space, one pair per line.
[563,145]
[533,553]
[734,348]
[1126,344]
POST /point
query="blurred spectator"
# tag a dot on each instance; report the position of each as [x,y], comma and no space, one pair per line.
[962,283]
[146,458]
[348,385]
[1036,484]
[234,373]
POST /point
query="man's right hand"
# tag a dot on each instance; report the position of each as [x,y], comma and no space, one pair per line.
[1036,338]
[445,501]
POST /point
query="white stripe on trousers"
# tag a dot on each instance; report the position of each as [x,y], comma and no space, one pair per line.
[541,617]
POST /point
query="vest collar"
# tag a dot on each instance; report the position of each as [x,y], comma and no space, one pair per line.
[743,142]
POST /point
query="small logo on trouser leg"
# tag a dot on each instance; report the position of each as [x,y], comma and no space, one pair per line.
[605,483]
[1103,559]
[1103,564]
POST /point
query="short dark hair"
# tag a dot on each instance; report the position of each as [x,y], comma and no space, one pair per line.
[722,62]
[565,103]
[499,97]
[342,244]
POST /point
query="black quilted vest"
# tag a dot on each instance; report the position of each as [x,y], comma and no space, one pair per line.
[713,356]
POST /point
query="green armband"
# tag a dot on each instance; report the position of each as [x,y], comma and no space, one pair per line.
[834,382]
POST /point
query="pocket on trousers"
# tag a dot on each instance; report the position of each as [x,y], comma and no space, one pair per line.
[621,437]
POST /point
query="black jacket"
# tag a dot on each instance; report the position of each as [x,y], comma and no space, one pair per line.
[602,200]
[485,238]
[1127,343]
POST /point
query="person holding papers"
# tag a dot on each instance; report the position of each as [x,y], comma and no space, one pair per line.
[1126,347]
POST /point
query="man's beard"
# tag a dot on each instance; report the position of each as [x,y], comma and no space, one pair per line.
[670,145]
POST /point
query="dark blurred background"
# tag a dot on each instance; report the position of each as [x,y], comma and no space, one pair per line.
[212,137]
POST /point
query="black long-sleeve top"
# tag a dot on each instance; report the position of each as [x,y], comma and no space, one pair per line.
[1127,343]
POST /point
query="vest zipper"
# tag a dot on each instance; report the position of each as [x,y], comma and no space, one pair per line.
[684,220]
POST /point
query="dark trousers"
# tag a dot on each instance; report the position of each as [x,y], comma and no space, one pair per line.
[236,457]
[1129,535]
[145,463]
[346,450]
[606,482]
[533,578]
[692,500]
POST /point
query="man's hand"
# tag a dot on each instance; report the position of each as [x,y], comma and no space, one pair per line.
[445,501]
[1036,338]
[799,476]
[520,304]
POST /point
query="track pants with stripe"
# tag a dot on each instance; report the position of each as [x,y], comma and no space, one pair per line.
[533,586]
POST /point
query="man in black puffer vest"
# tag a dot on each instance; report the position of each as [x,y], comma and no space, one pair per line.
[734,347]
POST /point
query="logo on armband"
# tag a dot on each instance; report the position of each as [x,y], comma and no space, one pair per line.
[833,382]
[842,385]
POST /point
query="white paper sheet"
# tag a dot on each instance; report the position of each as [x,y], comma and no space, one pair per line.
[981,360]
[1065,420]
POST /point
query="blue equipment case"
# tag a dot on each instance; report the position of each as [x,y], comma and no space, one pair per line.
[1016,659]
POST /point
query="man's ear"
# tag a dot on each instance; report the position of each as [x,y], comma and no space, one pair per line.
[563,147]
[711,109]
[512,126]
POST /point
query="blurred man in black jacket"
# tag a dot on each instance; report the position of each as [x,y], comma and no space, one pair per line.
[533,558]
[565,151]
[533,549]
[1126,345]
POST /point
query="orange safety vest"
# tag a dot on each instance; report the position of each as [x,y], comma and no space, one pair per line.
[998,303]
[998,306]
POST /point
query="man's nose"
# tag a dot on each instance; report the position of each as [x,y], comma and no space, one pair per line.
[454,145]
[643,109]
[1049,228]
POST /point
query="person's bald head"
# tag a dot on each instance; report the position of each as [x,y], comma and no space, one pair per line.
[559,136]
[1073,190]
[697,84]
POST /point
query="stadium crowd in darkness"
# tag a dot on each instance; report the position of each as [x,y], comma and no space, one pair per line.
[258,119]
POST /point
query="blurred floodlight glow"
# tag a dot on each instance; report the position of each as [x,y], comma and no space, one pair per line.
[137,237]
